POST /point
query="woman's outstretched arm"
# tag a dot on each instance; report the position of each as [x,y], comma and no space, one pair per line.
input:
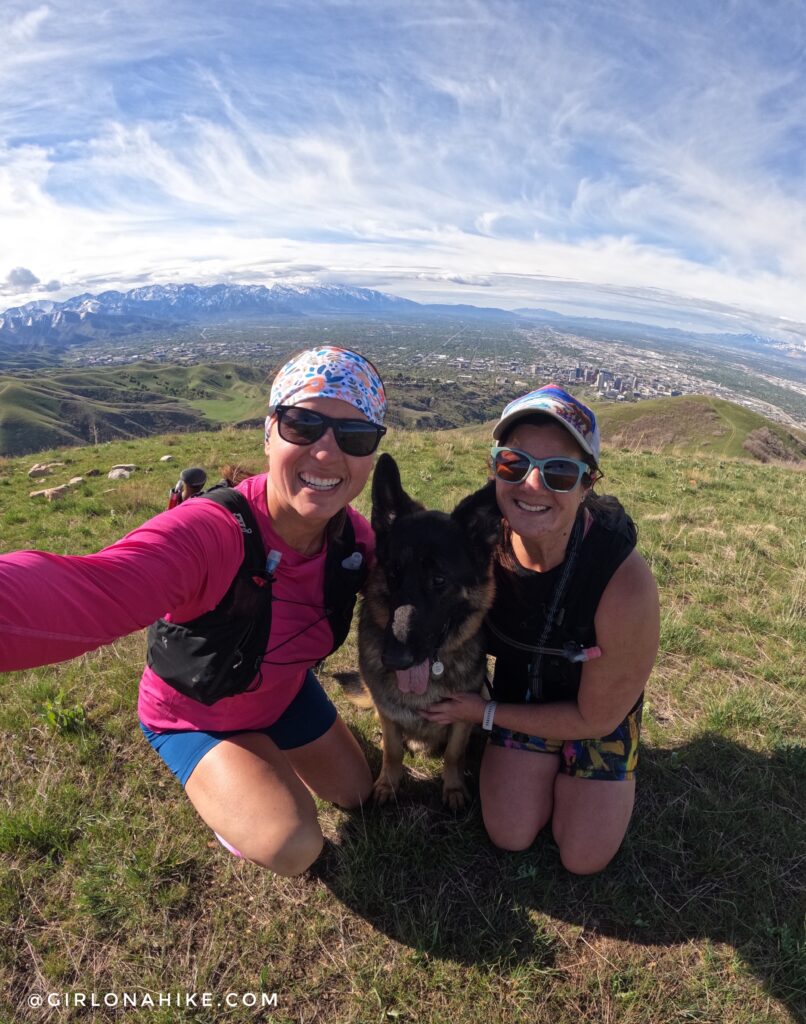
[55,607]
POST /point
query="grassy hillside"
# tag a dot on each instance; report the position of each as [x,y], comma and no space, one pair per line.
[697,423]
[109,882]
[41,409]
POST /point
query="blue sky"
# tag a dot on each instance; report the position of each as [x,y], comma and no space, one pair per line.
[633,159]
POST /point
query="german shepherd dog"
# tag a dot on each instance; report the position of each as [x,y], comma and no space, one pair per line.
[419,627]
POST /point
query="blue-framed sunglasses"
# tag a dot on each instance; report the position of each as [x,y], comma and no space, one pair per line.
[558,473]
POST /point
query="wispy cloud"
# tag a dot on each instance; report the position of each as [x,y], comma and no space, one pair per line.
[26,26]
[504,145]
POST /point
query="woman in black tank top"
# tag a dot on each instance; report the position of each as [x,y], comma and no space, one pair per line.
[574,631]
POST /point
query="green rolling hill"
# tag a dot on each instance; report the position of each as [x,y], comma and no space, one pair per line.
[688,425]
[41,409]
[698,423]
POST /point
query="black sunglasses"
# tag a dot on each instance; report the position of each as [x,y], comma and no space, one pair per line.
[299,425]
[558,473]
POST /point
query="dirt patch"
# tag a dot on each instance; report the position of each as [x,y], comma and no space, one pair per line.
[767,446]
[659,430]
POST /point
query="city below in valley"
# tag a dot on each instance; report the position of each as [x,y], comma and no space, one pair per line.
[506,357]
[484,350]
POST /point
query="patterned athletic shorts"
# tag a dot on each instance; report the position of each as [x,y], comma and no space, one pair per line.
[612,758]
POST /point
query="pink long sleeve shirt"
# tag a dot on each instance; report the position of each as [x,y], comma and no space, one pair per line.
[177,565]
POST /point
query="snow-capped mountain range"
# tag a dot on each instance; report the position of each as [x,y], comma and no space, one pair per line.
[159,306]
[112,315]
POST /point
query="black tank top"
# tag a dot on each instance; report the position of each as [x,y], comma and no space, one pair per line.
[523,598]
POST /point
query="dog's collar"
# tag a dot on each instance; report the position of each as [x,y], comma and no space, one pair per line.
[437,665]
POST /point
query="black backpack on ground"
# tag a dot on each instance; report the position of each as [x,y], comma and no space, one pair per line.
[219,654]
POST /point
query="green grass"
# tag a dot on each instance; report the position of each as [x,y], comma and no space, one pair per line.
[77,406]
[109,882]
[45,407]
[689,424]
[233,408]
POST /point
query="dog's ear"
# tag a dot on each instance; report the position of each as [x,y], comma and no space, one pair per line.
[479,516]
[389,500]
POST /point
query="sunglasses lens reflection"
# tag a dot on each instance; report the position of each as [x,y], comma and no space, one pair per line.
[557,474]
[299,426]
[561,475]
[304,426]
[357,438]
[511,467]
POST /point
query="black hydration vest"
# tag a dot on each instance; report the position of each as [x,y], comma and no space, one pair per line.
[220,653]
[523,598]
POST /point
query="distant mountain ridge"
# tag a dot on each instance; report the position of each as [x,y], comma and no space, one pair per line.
[113,315]
[160,307]
[194,301]
[599,326]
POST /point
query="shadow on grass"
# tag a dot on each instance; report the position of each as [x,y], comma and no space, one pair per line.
[715,851]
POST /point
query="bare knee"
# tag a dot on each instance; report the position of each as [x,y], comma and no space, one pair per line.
[582,859]
[510,843]
[514,814]
[289,852]
[590,821]
[508,836]
[350,799]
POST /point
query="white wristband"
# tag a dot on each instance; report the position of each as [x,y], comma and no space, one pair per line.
[489,715]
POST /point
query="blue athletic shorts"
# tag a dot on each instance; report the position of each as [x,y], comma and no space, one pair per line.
[309,716]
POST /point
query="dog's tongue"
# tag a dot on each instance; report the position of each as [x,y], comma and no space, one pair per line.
[414,679]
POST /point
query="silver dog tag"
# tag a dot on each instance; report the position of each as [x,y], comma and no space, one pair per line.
[437,668]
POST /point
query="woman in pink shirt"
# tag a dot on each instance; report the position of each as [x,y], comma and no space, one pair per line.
[248,761]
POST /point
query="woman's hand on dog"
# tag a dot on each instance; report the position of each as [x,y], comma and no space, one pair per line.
[458,707]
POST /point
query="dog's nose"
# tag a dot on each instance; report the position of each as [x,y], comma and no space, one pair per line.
[396,655]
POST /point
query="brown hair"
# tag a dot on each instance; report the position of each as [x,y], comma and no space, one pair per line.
[234,473]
